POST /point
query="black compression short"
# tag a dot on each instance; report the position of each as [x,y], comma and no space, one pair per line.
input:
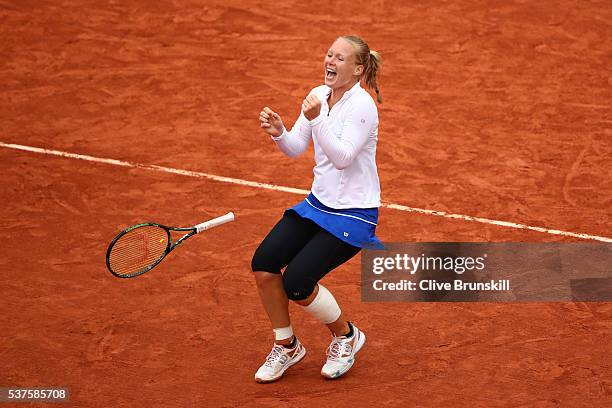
[306,250]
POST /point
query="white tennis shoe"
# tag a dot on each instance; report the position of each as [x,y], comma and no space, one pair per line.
[341,354]
[278,361]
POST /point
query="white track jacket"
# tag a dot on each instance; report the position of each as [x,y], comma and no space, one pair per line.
[345,174]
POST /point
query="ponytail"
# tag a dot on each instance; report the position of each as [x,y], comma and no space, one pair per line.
[371,73]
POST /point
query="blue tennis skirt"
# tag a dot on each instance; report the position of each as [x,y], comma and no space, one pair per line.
[355,226]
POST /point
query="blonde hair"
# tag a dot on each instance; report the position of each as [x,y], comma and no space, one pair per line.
[370,60]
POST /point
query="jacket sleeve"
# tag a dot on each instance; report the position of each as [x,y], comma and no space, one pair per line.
[294,142]
[355,132]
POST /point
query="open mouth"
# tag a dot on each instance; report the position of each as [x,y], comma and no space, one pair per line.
[330,74]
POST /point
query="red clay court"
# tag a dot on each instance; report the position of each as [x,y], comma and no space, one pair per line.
[492,109]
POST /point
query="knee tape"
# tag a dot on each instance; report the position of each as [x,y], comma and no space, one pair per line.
[324,307]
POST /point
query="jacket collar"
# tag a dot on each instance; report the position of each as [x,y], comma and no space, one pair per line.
[347,94]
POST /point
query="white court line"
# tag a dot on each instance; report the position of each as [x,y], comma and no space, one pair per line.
[292,190]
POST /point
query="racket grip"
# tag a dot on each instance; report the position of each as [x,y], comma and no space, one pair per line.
[215,222]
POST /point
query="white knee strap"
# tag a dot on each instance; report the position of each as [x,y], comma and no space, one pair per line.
[324,306]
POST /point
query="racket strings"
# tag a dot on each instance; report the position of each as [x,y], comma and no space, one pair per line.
[138,249]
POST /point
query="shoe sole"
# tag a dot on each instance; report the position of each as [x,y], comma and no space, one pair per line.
[293,362]
[360,342]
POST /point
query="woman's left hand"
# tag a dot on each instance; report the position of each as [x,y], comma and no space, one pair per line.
[311,107]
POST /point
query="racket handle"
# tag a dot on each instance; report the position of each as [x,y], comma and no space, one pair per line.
[215,222]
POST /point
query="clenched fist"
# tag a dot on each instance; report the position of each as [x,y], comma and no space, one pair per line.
[311,107]
[271,122]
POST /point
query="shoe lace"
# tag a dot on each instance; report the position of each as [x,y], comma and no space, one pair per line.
[338,348]
[274,356]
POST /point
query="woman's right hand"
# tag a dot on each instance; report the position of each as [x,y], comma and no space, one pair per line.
[271,122]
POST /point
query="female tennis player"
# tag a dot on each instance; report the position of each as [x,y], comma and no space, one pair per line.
[336,220]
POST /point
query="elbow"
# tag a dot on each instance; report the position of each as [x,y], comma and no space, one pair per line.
[341,158]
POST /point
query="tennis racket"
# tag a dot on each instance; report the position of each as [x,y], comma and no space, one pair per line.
[141,247]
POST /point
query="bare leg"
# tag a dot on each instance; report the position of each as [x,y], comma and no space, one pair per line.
[274,300]
[339,327]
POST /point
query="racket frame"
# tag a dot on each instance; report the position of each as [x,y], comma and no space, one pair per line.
[171,245]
